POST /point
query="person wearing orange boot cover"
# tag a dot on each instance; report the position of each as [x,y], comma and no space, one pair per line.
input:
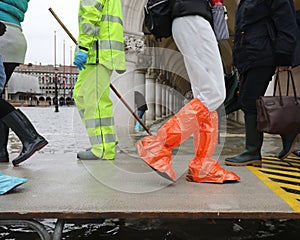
[194,37]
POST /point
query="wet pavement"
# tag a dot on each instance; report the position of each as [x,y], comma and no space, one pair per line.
[59,184]
[66,134]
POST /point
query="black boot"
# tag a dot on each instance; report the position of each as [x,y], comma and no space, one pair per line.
[288,143]
[29,137]
[3,142]
[297,153]
[254,139]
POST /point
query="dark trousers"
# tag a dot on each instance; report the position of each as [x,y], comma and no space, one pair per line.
[254,84]
[140,114]
[9,69]
[5,108]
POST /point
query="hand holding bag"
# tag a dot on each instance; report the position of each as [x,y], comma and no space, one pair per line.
[279,114]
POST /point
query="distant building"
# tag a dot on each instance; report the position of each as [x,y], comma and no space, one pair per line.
[23,89]
[35,84]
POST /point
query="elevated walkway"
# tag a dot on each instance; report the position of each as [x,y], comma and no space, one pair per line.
[61,187]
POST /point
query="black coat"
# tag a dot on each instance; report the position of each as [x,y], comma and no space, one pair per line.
[182,8]
[140,101]
[265,34]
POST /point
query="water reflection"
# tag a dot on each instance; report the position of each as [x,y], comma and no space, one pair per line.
[158,229]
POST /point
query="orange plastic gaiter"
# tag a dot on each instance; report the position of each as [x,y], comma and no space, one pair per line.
[156,151]
[203,168]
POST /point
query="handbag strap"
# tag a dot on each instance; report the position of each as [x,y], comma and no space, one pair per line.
[277,82]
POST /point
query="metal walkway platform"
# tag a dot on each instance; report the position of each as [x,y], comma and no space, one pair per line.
[61,187]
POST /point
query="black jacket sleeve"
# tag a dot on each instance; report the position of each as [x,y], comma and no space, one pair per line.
[284,19]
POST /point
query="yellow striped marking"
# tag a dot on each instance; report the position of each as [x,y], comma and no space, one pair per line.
[282,177]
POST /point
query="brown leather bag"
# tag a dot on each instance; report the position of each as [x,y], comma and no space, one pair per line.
[279,114]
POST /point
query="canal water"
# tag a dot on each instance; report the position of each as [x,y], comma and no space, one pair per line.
[57,127]
[158,229]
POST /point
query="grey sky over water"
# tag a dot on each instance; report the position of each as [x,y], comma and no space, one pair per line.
[39,26]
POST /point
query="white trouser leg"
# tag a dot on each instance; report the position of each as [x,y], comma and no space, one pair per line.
[196,41]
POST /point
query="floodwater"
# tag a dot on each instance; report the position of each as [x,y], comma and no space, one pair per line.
[57,127]
[158,229]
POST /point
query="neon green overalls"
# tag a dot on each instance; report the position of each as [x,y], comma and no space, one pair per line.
[101,36]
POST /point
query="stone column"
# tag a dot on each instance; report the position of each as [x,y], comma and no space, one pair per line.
[158,99]
[171,100]
[124,83]
[139,81]
[167,100]
[163,100]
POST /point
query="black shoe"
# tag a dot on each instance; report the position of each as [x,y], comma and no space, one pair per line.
[297,153]
[288,143]
[254,139]
[244,159]
[27,134]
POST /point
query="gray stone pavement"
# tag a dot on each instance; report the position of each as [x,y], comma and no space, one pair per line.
[60,186]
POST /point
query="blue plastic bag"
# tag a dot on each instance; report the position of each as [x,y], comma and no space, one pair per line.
[7,183]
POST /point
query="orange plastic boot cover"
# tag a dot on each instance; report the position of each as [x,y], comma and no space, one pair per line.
[203,168]
[209,170]
[181,126]
[156,155]
[156,150]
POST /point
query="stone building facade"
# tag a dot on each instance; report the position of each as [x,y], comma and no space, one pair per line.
[48,77]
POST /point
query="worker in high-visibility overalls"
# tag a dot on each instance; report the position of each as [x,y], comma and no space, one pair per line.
[100,51]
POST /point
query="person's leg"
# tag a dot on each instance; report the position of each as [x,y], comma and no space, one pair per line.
[156,151]
[138,126]
[288,144]
[78,93]
[297,153]
[5,109]
[20,124]
[254,84]
[4,130]
[204,67]
[9,69]
[203,168]
[98,113]
[202,59]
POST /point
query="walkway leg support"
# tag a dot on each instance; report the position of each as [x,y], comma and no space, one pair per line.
[58,230]
[38,227]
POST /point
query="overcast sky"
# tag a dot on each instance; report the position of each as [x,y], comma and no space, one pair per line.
[39,26]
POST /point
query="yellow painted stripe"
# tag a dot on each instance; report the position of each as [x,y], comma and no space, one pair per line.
[278,187]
